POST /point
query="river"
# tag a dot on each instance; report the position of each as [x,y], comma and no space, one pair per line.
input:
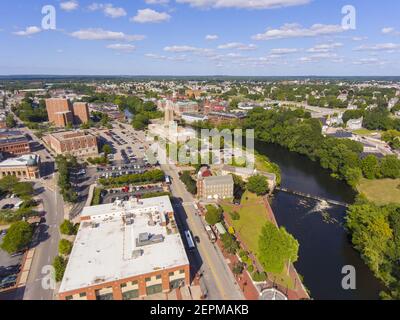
[324,243]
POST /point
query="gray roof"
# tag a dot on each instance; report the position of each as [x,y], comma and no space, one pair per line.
[218,180]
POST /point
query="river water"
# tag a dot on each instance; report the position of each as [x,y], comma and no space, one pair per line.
[324,243]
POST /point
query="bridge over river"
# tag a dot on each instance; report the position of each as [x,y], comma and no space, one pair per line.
[310,196]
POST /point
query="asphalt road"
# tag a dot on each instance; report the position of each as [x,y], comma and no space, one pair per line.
[47,247]
[208,259]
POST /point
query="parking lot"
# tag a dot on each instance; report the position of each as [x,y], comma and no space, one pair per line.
[127,143]
[110,196]
[9,267]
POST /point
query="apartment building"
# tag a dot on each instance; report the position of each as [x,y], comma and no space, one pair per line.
[78,143]
[125,251]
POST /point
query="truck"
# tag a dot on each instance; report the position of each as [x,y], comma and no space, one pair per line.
[210,233]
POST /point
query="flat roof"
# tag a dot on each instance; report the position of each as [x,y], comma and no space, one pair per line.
[106,248]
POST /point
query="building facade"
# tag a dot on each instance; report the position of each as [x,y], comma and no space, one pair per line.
[25,167]
[62,112]
[14,143]
[76,143]
[215,187]
[125,251]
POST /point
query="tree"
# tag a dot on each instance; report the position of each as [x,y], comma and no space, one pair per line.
[10,121]
[59,264]
[390,167]
[213,215]
[67,228]
[258,184]
[107,149]
[238,268]
[229,243]
[18,236]
[7,183]
[24,190]
[353,176]
[276,247]
[65,247]
[370,167]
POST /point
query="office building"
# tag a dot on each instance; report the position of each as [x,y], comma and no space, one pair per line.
[62,112]
[124,251]
[14,143]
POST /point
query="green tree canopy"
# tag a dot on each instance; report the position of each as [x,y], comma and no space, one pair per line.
[18,236]
[258,184]
[276,247]
[213,215]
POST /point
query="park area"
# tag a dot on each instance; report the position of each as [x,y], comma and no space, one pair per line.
[253,217]
[382,191]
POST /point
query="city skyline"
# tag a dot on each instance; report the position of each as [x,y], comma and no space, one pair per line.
[195,37]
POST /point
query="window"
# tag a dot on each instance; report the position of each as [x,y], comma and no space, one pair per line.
[69,298]
[82,294]
[181,271]
[158,277]
[171,274]
[123,285]
[147,279]
[134,283]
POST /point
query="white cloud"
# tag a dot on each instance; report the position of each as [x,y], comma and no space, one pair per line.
[282,51]
[108,9]
[325,47]
[388,30]
[122,47]
[156,1]
[150,16]
[69,5]
[100,34]
[211,37]
[244,4]
[297,31]
[162,57]
[359,38]
[369,61]
[238,46]
[28,31]
[379,47]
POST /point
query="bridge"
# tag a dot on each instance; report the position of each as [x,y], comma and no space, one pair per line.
[313,197]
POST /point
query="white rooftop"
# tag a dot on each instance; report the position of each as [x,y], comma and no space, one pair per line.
[21,161]
[106,248]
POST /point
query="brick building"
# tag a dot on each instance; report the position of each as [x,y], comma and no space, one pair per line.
[215,187]
[62,112]
[14,143]
[125,251]
[76,143]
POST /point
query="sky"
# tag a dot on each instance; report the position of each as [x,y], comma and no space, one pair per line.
[201,37]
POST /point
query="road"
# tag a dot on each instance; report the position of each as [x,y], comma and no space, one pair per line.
[47,247]
[209,261]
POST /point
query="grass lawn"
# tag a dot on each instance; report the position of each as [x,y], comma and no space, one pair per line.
[364,132]
[262,163]
[253,216]
[382,191]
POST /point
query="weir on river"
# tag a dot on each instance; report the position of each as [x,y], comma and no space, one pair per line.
[310,196]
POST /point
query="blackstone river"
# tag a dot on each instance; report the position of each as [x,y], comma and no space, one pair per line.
[325,246]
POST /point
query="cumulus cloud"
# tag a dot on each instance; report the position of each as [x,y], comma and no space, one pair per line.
[150,16]
[211,37]
[100,34]
[108,9]
[69,5]
[295,30]
[320,48]
[162,57]
[28,31]
[244,4]
[238,46]
[122,47]
[157,1]
[283,51]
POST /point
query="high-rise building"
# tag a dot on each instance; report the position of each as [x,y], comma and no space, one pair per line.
[62,112]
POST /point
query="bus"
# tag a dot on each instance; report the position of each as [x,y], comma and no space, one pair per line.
[189,240]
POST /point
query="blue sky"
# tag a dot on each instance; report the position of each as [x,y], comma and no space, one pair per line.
[200,37]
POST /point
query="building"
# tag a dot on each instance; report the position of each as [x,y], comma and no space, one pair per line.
[3,121]
[81,112]
[225,117]
[62,112]
[14,143]
[247,173]
[59,112]
[355,124]
[124,251]
[193,117]
[216,187]
[24,167]
[78,143]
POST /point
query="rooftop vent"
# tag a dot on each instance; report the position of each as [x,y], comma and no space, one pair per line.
[145,239]
[137,253]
